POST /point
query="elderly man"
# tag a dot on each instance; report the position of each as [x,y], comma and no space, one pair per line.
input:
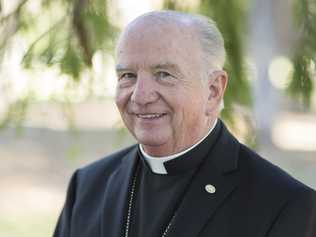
[188,176]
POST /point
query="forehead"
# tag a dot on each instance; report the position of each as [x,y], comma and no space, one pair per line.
[156,43]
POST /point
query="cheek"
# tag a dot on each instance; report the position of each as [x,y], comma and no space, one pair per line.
[192,109]
[121,98]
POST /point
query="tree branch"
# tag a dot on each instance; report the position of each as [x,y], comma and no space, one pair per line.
[16,11]
[81,30]
[60,21]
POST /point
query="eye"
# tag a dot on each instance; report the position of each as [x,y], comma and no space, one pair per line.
[127,75]
[162,75]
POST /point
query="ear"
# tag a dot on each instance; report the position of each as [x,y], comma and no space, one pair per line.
[217,82]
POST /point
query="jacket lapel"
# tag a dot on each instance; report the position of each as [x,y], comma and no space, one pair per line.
[116,195]
[198,205]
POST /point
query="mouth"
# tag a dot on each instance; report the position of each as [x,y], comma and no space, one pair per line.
[151,116]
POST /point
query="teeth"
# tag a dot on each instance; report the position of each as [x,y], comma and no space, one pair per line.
[149,116]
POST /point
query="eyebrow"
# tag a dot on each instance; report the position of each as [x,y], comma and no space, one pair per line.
[169,66]
[120,68]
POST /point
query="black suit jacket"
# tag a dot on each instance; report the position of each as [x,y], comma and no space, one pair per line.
[253,198]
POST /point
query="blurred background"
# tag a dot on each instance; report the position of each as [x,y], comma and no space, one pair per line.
[57,83]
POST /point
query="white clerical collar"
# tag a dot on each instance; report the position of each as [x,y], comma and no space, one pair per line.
[157,163]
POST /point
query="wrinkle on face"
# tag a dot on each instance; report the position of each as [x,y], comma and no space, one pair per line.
[145,48]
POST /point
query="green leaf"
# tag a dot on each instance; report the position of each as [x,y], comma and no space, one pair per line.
[71,63]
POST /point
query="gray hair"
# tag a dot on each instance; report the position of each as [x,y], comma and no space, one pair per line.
[211,39]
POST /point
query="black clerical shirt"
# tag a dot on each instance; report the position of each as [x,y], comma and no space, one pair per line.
[158,196]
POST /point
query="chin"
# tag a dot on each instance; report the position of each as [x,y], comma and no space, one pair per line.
[153,140]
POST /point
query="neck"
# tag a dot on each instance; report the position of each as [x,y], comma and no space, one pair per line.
[158,152]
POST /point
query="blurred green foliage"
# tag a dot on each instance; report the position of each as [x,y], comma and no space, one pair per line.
[303,79]
[77,29]
[68,33]
[16,114]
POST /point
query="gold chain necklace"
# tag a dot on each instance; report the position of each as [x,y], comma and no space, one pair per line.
[130,207]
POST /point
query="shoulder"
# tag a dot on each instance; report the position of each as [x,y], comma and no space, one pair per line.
[259,176]
[270,179]
[285,204]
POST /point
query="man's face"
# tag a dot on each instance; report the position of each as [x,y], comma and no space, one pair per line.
[162,90]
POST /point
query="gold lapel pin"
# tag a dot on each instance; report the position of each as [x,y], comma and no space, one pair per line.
[210,188]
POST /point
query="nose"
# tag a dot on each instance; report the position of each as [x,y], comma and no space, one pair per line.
[144,91]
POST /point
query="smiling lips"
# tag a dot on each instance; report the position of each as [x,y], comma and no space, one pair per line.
[150,115]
